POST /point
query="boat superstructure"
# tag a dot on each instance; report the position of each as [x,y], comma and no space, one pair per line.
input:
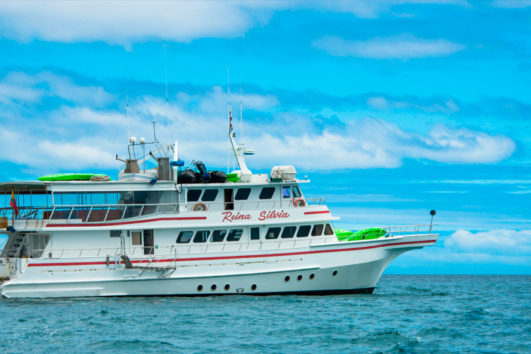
[171,231]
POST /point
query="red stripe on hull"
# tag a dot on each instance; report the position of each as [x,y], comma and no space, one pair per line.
[235,257]
[317,212]
[128,222]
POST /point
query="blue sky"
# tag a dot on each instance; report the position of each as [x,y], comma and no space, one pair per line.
[391,108]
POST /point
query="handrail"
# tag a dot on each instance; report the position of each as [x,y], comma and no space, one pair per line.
[110,212]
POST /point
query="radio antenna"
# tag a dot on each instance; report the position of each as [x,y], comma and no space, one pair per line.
[166,81]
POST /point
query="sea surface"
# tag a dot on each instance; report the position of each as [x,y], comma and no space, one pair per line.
[407,313]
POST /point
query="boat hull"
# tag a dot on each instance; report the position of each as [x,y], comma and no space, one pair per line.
[353,267]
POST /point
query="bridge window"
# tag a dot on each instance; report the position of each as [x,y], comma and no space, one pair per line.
[296,192]
[218,235]
[116,233]
[272,233]
[255,233]
[243,194]
[328,230]
[185,236]
[201,236]
[193,195]
[317,230]
[288,232]
[285,192]
[235,235]
[210,195]
[304,231]
[267,193]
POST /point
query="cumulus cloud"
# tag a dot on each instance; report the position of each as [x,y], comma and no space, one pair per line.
[399,47]
[501,241]
[448,106]
[61,136]
[21,87]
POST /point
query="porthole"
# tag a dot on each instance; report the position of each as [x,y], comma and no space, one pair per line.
[312,276]
[227,286]
[253,287]
[286,278]
[199,287]
[213,287]
[299,278]
[334,273]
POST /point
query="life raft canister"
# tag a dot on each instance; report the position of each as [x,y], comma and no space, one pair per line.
[200,207]
[299,202]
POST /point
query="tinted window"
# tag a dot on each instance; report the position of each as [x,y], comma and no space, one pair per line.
[328,230]
[267,192]
[116,233]
[255,233]
[234,235]
[218,235]
[296,192]
[285,192]
[209,195]
[185,236]
[243,193]
[272,233]
[201,236]
[317,230]
[288,232]
[304,231]
[193,195]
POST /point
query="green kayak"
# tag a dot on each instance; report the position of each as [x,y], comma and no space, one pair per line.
[233,177]
[71,177]
[365,234]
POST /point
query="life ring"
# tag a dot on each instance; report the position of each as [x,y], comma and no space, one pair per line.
[200,207]
[299,202]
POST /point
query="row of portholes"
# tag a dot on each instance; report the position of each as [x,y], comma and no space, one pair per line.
[312,276]
[213,287]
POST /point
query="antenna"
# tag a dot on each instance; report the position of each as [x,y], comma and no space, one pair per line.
[166,81]
[241,114]
[228,100]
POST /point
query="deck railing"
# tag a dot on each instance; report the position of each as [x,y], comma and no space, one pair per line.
[36,216]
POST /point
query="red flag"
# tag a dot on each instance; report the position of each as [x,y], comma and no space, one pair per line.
[13,202]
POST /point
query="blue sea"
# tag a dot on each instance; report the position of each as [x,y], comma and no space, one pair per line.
[407,313]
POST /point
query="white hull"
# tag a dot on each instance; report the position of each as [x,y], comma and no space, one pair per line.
[342,267]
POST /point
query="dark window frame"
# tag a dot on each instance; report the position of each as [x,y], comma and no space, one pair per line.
[216,234]
[276,232]
[255,233]
[193,199]
[265,194]
[208,193]
[317,230]
[201,240]
[304,231]
[244,195]
[288,232]
[234,235]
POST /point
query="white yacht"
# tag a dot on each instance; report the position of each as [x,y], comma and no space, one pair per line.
[177,231]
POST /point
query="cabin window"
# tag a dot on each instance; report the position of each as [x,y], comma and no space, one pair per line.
[304,231]
[210,195]
[218,235]
[185,236]
[296,192]
[235,235]
[267,192]
[288,232]
[255,233]
[285,192]
[328,230]
[201,236]
[243,193]
[272,233]
[136,238]
[116,233]
[317,230]
[193,195]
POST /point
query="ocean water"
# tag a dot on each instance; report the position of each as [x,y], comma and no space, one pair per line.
[407,313]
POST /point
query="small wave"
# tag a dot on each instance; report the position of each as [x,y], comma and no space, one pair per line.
[134,344]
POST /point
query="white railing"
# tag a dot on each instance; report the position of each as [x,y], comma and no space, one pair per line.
[36,216]
[393,231]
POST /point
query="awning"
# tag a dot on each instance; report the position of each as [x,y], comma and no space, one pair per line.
[33,187]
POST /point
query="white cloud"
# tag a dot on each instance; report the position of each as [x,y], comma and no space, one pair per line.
[494,241]
[123,22]
[382,103]
[21,87]
[398,47]
[63,136]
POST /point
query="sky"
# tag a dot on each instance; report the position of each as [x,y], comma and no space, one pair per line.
[391,108]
